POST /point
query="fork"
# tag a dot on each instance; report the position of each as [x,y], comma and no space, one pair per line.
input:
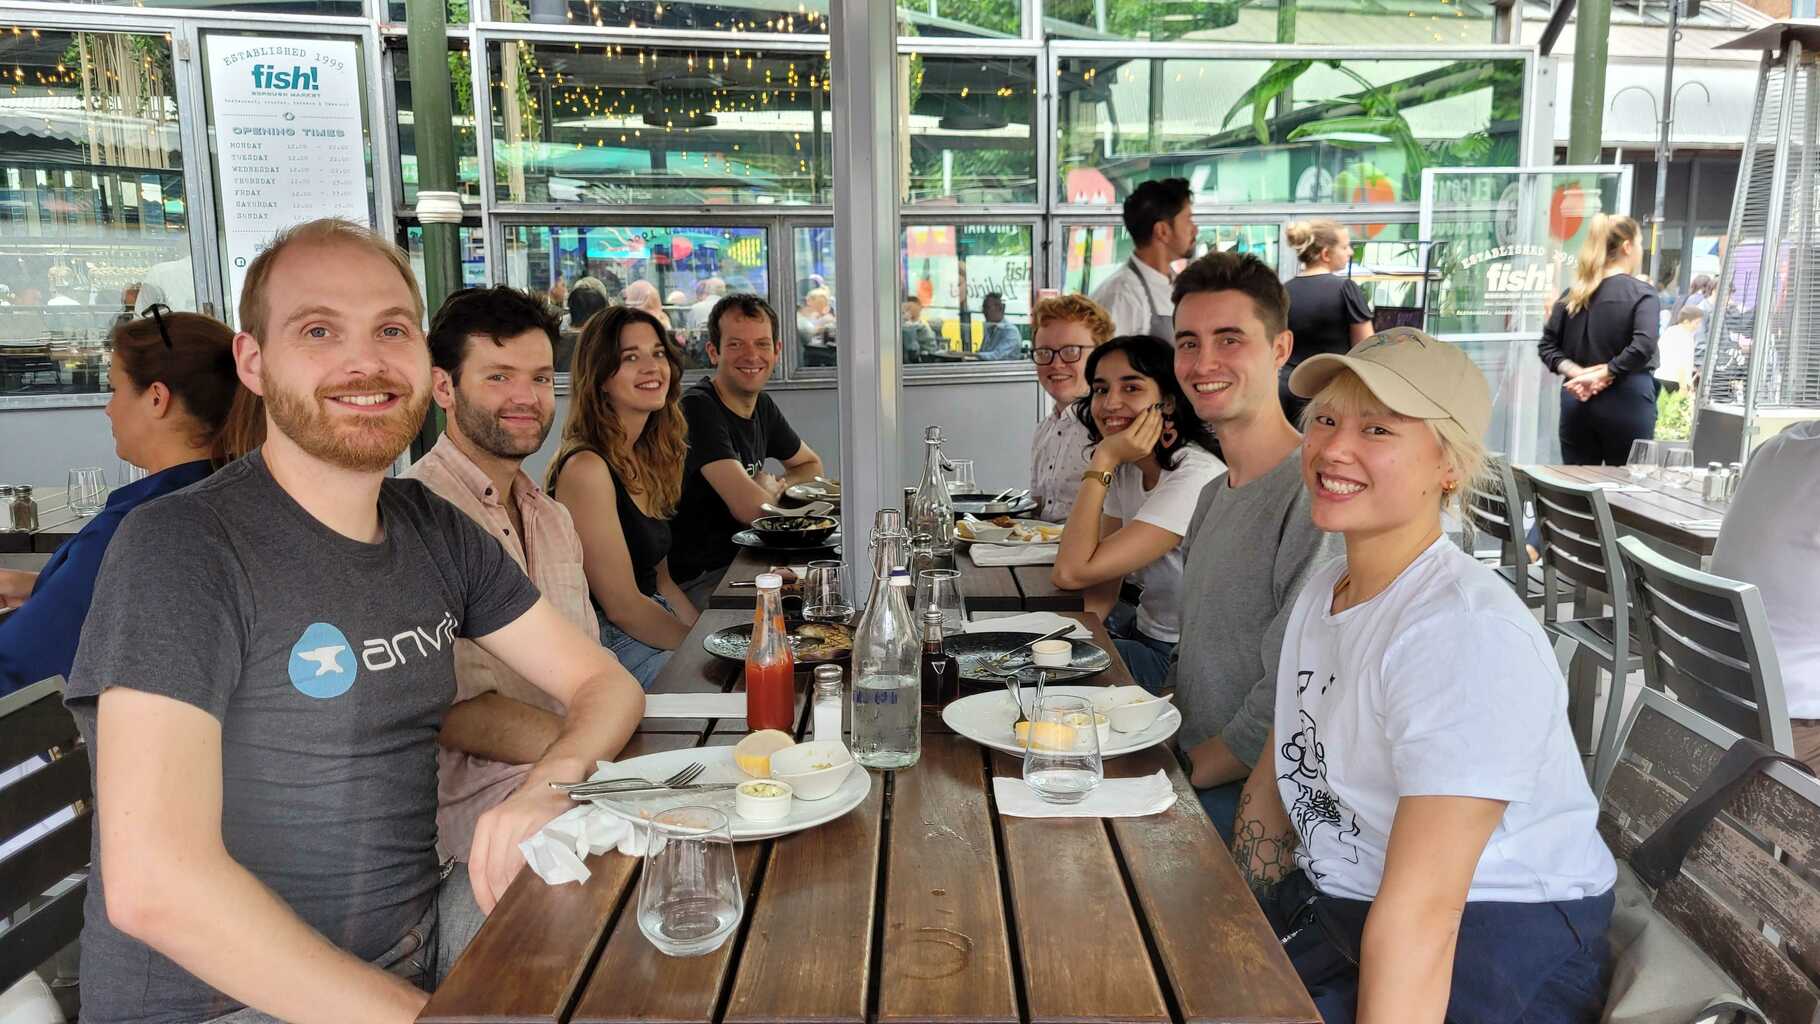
[683,776]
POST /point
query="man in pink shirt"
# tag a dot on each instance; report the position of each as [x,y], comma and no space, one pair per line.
[493,356]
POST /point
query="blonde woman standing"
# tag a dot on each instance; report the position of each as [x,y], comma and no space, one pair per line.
[620,471]
[1601,336]
[1328,313]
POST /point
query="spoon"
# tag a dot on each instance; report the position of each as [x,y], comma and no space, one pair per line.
[814,508]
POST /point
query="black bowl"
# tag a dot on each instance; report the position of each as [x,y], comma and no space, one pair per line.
[795,531]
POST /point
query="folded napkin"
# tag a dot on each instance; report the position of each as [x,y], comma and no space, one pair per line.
[1029,622]
[1013,554]
[557,853]
[695,705]
[1699,524]
[1621,488]
[1112,798]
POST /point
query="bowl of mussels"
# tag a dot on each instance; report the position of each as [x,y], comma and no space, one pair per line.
[795,531]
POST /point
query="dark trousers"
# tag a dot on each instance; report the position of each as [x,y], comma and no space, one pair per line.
[1514,963]
[1599,432]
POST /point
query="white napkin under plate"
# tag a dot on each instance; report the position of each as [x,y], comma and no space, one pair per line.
[1013,554]
[1112,798]
[1029,622]
[695,705]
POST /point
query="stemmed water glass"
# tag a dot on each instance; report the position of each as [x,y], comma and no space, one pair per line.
[689,900]
[941,589]
[1062,750]
[825,592]
[1677,466]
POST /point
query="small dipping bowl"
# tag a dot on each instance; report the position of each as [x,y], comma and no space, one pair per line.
[1052,653]
[813,770]
[763,799]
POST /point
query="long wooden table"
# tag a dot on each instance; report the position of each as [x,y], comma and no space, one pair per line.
[921,905]
[986,588]
[1658,511]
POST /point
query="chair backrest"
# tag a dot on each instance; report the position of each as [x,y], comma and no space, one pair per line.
[1578,540]
[1756,915]
[1706,640]
[48,766]
[1494,506]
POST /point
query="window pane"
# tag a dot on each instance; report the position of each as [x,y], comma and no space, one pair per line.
[638,126]
[1096,251]
[587,268]
[1413,23]
[816,336]
[457,13]
[969,122]
[1387,264]
[947,273]
[1257,131]
[343,8]
[773,16]
[967,18]
[93,225]
[467,155]
[473,256]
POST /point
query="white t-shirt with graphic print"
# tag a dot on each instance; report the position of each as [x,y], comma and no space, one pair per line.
[1442,685]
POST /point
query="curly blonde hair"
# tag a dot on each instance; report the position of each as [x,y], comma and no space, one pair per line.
[652,464]
[1073,309]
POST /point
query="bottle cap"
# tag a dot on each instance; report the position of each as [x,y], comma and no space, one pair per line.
[900,578]
[827,674]
[768,581]
[932,615]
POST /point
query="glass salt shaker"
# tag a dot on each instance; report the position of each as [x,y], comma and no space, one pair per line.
[829,704]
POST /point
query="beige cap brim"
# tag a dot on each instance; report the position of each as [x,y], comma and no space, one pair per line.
[1397,393]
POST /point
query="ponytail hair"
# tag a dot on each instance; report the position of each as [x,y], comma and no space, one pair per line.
[1605,238]
[193,356]
[1311,239]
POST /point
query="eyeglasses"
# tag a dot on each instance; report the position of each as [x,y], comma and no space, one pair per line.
[1069,354]
[156,311]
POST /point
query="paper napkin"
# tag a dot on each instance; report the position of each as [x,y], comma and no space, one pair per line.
[1013,554]
[1112,798]
[1029,622]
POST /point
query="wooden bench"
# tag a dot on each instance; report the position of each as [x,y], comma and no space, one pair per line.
[1749,892]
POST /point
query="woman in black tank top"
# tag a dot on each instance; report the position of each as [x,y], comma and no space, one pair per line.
[620,471]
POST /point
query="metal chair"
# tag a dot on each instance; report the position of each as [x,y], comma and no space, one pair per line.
[44,880]
[1579,546]
[1706,641]
[1494,506]
[1746,894]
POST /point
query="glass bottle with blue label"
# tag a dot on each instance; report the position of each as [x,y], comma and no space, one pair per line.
[887,685]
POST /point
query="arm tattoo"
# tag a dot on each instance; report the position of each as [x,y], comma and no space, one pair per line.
[1263,857]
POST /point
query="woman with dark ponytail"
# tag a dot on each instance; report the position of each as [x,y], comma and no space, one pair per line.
[178,412]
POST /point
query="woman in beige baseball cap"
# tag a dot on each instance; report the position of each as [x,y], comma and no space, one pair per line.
[1424,775]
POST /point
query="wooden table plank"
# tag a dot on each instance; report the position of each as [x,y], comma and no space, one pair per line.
[691,669]
[547,934]
[1219,956]
[946,951]
[808,948]
[988,588]
[1066,889]
[1654,512]
[634,982]
[1040,592]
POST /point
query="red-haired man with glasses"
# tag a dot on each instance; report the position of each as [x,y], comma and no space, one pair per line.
[1066,329]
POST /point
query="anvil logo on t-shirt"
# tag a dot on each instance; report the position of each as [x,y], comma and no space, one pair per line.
[322,661]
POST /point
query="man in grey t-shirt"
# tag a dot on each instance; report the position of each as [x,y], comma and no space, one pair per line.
[1251,539]
[264,670]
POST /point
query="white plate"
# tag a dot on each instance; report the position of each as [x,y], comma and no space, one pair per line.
[985,718]
[804,814]
[813,492]
[1010,542]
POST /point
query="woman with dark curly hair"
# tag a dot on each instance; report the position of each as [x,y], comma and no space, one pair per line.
[620,469]
[1151,457]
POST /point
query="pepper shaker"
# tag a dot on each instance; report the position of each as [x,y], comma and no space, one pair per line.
[1713,487]
[23,511]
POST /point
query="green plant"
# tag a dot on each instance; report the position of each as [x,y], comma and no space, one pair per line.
[1674,415]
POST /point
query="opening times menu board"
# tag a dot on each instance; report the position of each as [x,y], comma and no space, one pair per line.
[289,139]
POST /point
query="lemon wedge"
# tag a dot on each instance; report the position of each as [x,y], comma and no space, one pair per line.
[1049,736]
[753,754]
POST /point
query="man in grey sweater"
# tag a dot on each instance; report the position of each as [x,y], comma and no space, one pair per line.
[1251,540]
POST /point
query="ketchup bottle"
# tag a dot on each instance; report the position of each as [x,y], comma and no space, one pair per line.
[770,667]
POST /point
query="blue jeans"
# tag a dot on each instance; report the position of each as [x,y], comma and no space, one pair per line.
[639,658]
[1222,805]
[1146,656]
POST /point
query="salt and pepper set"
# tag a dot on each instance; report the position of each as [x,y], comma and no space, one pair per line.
[21,510]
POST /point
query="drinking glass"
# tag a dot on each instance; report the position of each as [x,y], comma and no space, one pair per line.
[1645,460]
[960,477]
[1677,466]
[688,895]
[88,490]
[1062,750]
[825,592]
[941,588]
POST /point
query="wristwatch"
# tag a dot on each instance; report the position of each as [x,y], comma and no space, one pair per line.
[1104,478]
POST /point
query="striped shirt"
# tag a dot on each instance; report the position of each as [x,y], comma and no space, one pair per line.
[1058,457]
[469,786]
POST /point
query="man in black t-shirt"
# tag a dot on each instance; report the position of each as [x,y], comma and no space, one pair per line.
[734,428]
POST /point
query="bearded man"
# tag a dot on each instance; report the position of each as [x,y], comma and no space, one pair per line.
[265,669]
